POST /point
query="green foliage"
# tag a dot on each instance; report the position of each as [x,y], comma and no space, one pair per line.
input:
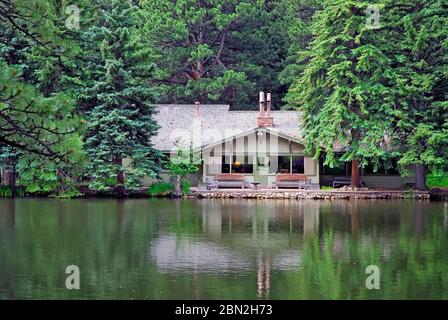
[419,81]
[299,14]
[47,177]
[215,51]
[437,180]
[369,96]
[7,192]
[160,189]
[183,164]
[37,116]
[185,186]
[341,90]
[34,123]
[117,105]
[374,94]
[166,188]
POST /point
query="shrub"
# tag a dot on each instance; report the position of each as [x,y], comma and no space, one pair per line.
[437,180]
[186,187]
[6,192]
[160,188]
[166,188]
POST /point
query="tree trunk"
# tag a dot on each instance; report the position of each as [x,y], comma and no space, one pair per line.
[420,177]
[355,183]
[119,188]
[12,180]
[177,188]
[9,175]
[5,176]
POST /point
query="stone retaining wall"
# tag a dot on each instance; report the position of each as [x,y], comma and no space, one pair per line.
[325,195]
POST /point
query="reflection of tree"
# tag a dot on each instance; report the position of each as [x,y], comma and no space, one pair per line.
[414,268]
[354,223]
[279,262]
[211,220]
[445,220]
[419,217]
[310,221]
[187,218]
[8,213]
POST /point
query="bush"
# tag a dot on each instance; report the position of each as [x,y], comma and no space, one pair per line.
[437,180]
[6,192]
[165,188]
[160,188]
[186,187]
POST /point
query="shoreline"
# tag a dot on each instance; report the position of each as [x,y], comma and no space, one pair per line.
[314,194]
[266,194]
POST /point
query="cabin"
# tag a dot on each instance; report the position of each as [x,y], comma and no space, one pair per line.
[257,144]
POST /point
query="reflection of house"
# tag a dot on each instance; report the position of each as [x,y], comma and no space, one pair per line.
[258,144]
[263,235]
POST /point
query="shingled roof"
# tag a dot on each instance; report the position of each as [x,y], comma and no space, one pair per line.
[175,117]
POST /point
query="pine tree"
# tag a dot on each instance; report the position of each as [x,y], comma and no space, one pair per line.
[341,91]
[119,114]
[38,119]
[43,128]
[299,15]
[189,39]
[418,46]
[259,46]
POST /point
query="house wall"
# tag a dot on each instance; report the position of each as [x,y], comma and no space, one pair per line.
[260,146]
[374,181]
[195,178]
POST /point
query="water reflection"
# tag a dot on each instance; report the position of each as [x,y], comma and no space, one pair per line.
[223,249]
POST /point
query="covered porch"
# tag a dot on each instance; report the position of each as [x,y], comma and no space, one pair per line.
[260,155]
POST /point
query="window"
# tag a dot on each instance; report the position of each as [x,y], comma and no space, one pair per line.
[244,164]
[298,164]
[242,167]
[225,165]
[291,164]
[284,164]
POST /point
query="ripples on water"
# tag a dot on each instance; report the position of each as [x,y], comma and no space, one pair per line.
[223,249]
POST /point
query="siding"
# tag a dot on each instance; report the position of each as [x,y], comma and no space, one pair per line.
[393,182]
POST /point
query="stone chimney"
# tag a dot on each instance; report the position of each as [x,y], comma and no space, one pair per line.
[265,118]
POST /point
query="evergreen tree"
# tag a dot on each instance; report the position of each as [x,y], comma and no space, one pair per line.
[43,128]
[260,47]
[188,40]
[417,42]
[341,92]
[216,51]
[298,14]
[37,118]
[119,114]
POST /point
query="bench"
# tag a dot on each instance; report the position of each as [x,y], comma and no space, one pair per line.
[344,181]
[228,180]
[292,181]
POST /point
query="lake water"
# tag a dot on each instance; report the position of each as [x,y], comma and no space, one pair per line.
[223,249]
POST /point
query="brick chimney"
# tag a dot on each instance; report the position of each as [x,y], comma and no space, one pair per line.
[265,118]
